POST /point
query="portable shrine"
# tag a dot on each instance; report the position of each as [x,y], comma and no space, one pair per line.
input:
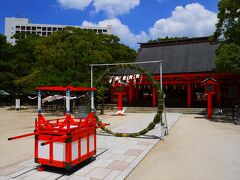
[63,142]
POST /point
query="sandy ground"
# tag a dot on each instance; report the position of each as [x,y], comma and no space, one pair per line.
[195,149]
[14,123]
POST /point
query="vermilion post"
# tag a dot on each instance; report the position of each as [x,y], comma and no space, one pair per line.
[153,97]
[137,94]
[119,101]
[209,106]
[130,93]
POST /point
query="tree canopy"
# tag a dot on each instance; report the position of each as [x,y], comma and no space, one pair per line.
[228,26]
[167,39]
[62,58]
[228,33]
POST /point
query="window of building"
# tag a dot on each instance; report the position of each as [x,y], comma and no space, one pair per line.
[49,28]
[28,28]
[49,33]
[95,30]
[44,33]
[44,28]
[54,29]
[100,31]
[33,28]
[22,27]
[39,27]
[39,33]
[59,29]
[17,27]
[104,30]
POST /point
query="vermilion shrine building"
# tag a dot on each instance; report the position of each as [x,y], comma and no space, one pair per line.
[187,64]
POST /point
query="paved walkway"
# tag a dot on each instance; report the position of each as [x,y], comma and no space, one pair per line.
[116,157]
[195,149]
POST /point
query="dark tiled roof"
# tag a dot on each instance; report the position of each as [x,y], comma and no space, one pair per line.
[180,58]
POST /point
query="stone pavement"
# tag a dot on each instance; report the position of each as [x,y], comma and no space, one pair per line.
[116,156]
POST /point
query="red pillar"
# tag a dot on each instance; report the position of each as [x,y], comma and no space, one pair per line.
[119,101]
[189,95]
[130,93]
[137,94]
[153,97]
[209,106]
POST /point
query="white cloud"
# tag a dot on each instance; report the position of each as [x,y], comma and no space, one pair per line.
[192,20]
[115,7]
[111,7]
[122,31]
[75,4]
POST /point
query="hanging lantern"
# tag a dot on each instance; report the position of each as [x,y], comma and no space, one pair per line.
[127,81]
[117,78]
[110,80]
[137,76]
[124,78]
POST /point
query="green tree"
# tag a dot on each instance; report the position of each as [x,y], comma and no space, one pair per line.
[6,75]
[228,34]
[64,57]
[228,58]
[101,97]
[23,59]
[167,39]
[228,26]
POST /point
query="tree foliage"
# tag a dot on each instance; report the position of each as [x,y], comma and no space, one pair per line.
[101,96]
[167,39]
[228,33]
[228,26]
[228,58]
[6,75]
[62,58]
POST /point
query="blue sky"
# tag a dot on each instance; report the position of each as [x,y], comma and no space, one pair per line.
[132,20]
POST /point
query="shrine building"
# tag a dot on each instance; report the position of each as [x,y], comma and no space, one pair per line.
[187,65]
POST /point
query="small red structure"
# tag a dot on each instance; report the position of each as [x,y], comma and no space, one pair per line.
[119,92]
[210,89]
[63,142]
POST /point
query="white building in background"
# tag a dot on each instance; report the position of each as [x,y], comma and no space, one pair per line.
[16,25]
